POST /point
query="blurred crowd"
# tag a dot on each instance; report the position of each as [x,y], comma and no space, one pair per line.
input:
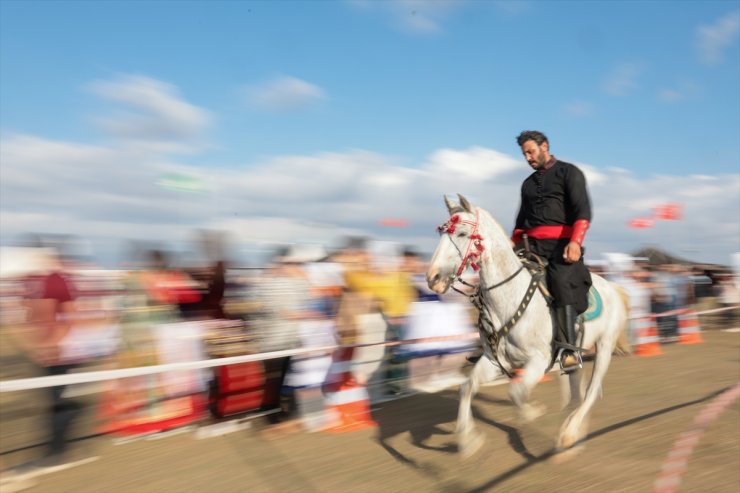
[62,317]
[664,289]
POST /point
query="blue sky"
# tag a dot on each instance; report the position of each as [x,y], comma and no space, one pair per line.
[249,90]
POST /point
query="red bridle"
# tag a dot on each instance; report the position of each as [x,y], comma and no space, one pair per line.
[475,244]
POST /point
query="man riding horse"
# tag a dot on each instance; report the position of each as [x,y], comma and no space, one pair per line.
[554,215]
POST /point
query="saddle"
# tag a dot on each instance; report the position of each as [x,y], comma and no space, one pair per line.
[537,266]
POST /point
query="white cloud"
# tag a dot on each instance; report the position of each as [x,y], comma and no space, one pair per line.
[622,80]
[579,109]
[285,94]
[152,114]
[713,40]
[108,193]
[322,197]
[476,163]
[416,16]
[593,175]
[670,95]
[681,91]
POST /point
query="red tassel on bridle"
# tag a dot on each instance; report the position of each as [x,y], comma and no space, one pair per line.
[449,226]
[471,257]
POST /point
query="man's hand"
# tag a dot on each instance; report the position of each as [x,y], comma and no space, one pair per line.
[572,252]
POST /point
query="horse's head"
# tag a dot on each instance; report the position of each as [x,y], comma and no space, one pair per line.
[459,245]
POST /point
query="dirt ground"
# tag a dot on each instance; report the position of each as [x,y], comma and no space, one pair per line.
[647,403]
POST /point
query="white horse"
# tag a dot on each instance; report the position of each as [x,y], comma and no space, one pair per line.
[521,329]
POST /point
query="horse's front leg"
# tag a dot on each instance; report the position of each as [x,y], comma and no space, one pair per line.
[571,389]
[576,424]
[469,440]
[521,388]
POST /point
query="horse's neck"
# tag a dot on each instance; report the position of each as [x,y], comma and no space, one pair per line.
[498,262]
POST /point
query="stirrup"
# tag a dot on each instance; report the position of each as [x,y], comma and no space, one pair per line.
[571,368]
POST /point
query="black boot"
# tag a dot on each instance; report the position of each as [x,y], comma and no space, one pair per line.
[570,359]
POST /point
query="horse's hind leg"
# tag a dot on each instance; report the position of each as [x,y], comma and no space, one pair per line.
[468,440]
[520,390]
[575,426]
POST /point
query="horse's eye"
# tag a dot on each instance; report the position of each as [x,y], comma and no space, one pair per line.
[461,235]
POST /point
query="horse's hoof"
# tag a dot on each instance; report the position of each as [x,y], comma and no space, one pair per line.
[564,455]
[468,446]
[530,412]
[567,441]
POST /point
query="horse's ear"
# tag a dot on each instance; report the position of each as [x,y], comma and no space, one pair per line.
[465,204]
[452,207]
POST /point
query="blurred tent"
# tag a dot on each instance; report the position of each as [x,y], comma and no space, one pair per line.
[656,256]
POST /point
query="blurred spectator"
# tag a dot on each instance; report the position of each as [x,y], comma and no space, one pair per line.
[680,280]
[729,297]
[639,286]
[378,275]
[352,258]
[213,298]
[282,293]
[664,301]
[50,310]
[704,296]
[435,365]
[307,372]
[150,336]
[415,266]
[702,284]
[283,297]
[624,270]
[360,321]
[326,278]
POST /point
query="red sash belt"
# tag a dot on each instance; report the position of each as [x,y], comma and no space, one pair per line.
[576,233]
[550,232]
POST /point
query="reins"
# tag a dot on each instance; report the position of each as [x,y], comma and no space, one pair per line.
[489,288]
[534,265]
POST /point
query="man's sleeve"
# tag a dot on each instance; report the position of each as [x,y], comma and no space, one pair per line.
[516,236]
[578,198]
[580,204]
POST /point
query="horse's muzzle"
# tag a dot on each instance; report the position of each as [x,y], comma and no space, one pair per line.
[438,283]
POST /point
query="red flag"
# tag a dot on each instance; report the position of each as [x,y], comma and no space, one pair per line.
[641,223]
[393,222]
[668,212]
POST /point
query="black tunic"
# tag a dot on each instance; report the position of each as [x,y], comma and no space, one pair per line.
[558,196]
[555,196]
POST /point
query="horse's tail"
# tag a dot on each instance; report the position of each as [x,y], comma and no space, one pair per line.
[623,346]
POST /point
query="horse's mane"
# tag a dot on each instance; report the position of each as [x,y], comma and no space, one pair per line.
[499,229]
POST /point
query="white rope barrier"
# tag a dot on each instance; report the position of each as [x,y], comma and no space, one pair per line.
[103,375]
[679,311]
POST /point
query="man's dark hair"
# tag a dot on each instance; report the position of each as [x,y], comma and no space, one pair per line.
[527,135]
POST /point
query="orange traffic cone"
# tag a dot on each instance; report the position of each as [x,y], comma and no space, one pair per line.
[689,331]
[348,402]
[648,342]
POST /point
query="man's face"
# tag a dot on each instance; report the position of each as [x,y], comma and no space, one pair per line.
[536,155]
